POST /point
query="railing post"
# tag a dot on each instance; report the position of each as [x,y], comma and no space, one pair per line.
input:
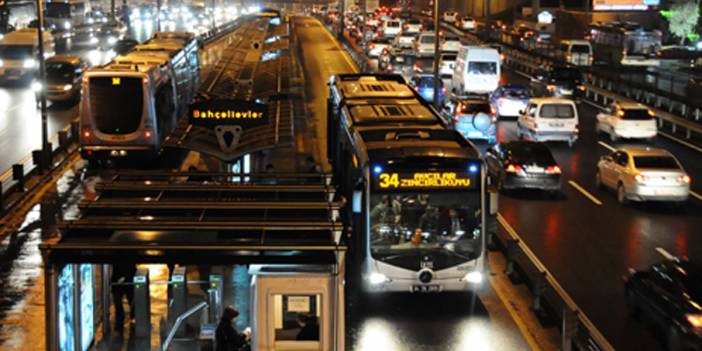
[512,247]
[538,290]
[570,328]
[18,175]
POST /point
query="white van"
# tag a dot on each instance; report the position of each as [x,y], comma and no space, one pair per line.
[477,71]
[19,51]
[392,28]
[576,52]
[549,119]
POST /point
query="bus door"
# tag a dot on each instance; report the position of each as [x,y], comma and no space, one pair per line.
[297,310]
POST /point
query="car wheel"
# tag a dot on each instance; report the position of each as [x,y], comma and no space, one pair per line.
[598,180]
[632,305]
[673,340]
[621,194]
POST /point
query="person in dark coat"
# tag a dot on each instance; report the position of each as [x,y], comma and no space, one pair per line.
[122,273]
[226,337]
[309,329]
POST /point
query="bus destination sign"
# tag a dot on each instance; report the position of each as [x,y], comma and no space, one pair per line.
[228,112]
[423,180]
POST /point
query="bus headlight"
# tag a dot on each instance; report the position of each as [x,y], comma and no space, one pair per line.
[377,278]
[67,87]
[474,277]
[29,63]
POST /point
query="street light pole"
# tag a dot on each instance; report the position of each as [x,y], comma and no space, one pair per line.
[46,152]
[437,52]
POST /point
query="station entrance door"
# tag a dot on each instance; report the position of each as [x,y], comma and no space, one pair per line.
[297,308]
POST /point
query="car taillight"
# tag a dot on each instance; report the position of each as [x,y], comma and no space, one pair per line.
[371,46]
[640,178]
[553,170]
[86,134]
[148,134]
[513,168]
[684,179]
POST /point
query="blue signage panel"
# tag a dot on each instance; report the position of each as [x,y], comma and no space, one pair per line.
[66,286]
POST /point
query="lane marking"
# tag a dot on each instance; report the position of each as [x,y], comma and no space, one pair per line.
[607,146]
[593,104]
[696,195]
[667,255]
[585,192]
[666,135]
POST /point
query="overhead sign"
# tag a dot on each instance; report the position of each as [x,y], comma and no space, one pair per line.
[624,5]
[423,180]
[228,113]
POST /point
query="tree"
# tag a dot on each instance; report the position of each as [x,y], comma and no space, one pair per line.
[683,17]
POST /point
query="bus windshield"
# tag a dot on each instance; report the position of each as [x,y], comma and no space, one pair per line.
[15,52]
[116,104]
[406,225]
[642,44]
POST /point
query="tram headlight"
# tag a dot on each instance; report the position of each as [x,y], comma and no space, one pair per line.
[474,277]
[377,278]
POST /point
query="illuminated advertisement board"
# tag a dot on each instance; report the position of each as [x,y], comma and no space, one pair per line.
[66,286]
[87,331]
[624,5]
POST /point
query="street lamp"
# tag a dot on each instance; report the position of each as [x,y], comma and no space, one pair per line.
[45,148]
[437,39]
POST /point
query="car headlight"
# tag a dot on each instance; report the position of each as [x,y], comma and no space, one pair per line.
[474,277]
[111,40]
[36,86]
[377,278]
[67,87]
[1,63]
[29,63]
[66,25]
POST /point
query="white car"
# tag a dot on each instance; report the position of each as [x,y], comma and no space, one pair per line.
[404,41]
[466,23]
[377,46]
[449,16]
[627,120]
[643,174]
[412,26]
[424,44]
[392,28]
[451,44]
[549,119]
[447,63]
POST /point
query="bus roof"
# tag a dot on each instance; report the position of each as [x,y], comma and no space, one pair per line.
[391,144]
[391,112]
[360,86]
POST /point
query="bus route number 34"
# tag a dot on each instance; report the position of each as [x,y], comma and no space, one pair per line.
[423,180]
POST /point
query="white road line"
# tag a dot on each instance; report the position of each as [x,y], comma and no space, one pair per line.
[585,192]
[696,195]
[343,51]
[607,146]
[694,147]
[593,104]
[667,255]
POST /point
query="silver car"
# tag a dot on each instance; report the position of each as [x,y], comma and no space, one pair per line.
[643,174]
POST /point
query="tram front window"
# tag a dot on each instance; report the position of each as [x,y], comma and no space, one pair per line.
[405,225]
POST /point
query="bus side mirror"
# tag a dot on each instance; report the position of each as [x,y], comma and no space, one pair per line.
[356,202]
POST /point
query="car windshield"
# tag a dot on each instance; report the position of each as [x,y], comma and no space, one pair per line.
[15,52]
[638,114]
[448,57]
[428,82]
[482,67]
[517,93]
[566,74]
[393,24]
[580,49]
[526,153]
[409,223]
[557,111]
[414,22]
[59,72]
[427,39]
[659,162]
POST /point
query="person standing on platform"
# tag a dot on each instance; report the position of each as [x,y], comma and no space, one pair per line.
[122,273]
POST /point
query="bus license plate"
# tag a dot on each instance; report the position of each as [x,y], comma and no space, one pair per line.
[426,288]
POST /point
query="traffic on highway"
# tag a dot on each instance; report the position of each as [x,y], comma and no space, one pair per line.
[297,176]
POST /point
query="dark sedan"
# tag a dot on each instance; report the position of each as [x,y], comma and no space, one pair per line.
[523,165]
[560,82]
[670,295]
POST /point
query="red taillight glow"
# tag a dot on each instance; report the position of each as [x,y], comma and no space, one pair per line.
[86,134]
[684,179]
[148,134]
[513,168]
[553,169]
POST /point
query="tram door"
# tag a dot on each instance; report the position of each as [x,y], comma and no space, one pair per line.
[297,310]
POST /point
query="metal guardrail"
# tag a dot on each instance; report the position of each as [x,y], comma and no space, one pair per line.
[14,180]
[191,311]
